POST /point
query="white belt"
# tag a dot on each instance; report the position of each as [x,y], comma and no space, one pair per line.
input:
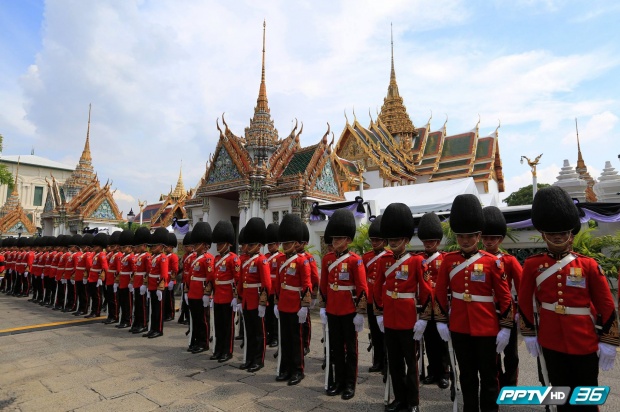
[274,276]
[81,268]
[251,285]
[139,273]
[293,288]
[565,310]
[398,295]
[199,279]
[472,298]
[336,287]
[154,276]
[125,273]
[112,272]
[225,282]
[94,270]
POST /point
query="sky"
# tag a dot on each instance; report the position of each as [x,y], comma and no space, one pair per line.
[158,74]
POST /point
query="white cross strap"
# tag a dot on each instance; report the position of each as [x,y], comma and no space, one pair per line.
[396,264]
[463,265]
[554,268]
[374,259]
[288,262]
[222,260]
[249,261]
[338,261]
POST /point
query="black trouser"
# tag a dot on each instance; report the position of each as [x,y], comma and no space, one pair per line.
[169,303]
[271,323]
[436,352]
[510,374]
[17,284]
[184,312]
[572,370]
[224,328]
[376,336]
[255,337]
[403,365]
[125,304]
[40,288]
[140,314]
[71,296]
[112,302]
[477,355]
[94,292]
[50,290]
[291,344]
[157,313]
[26,286]
[60,294]
[35,287]
[82,296]
[306,329]
[343,348]
[199,323]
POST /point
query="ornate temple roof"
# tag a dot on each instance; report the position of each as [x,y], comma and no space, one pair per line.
[84,171]
[12,214]
[582,170]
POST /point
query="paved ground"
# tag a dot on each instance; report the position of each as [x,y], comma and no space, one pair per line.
[93,367]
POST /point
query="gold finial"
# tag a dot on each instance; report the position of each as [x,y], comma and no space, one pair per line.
[262,93]
[86,153]
[392,72]
[345,116]
[580,163]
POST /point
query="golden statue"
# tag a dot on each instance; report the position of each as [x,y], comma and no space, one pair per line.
[532,163]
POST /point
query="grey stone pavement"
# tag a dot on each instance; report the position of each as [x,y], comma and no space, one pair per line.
[94,367]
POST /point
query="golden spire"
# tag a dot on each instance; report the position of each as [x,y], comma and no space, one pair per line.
[582,169]
[580,163]
[393,112]
[261,103]
[179,190]
[84,172]
[86,152]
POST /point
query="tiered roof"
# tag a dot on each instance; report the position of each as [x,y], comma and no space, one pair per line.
[84,171]
[582,169]
[13,215]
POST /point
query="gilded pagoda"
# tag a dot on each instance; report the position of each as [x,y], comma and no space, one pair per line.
[14,221]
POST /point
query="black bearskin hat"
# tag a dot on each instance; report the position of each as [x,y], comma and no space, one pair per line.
[87,239]
[200,234]
[255,231]
[466,215]
[76,240]
[114,238]
[272,233]
[223,232]
[142,236]
[172,240]
[342,223]
[101,239]
[126,238]
[397,221]
[429,227]
[242,236]
[51,241]
[187,239]
[374,230]
[291,229]
[553,210]
[494,222]
[21,241]
[30,242]
[160,236]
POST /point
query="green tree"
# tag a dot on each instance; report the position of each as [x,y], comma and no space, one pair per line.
[134,226]
[361,243]
[523,196]
[6,178]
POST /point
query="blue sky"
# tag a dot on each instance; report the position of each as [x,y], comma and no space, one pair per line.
[159,73]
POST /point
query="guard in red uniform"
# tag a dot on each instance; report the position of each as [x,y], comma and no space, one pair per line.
[493,233]
[188,258]
[173,269]
[36,270]
[431,233]
[223,280]
[571,293]
[123,276]
[253,289]
[314,278]
[199,292]
[84,263]
[114,257]
[345,292]
[48,272]
[158,278]
[273,258]
[70,268]
[9,281]
[400,289]
[373,261]
[61,281]
[2,267]
[97,273]
[479,288]
[19,267]
[142,237]
[293,299]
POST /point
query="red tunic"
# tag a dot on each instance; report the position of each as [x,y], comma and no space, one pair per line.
[127,267]
[274,266]
[225,274]
[482,280]
[187,267]
[38,264]
[344,284]
[84,262]
[431,268]
[372,268]
[69,266]
[173,267]
[293,280]
[200,269]
[76,258]
[254,278]
[141,269]
[158,271]
[60,265]
[99,267]
[114,266]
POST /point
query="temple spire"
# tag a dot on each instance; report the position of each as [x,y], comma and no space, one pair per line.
[12,202]
[84,172]
[179,190]
[580,163]
[86,152]
[16,176]
[582,169]
[261,103]
[393,88]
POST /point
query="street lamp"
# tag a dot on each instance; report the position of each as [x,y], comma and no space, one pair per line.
[130,217]
[533,164]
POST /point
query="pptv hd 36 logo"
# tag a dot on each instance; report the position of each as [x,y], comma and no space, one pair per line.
[552,395]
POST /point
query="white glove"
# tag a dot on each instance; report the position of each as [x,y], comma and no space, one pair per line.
[210,304]
[358,321]
[380,323]
[239,308]
[72,282]
[148,296]
[25,274]
[99,282]
[503,337]
[115,287]
[130,287]
[42,276]
[607,355]
[418,329]
[186,299]
[159,295]
[531,343]
[142,289]
[276,312]
[205,301]
[302,314]
[233,304]
[261,311]
[323,314]
[63,281]
[171,285]
[443,330]
[312,303]
[85,281]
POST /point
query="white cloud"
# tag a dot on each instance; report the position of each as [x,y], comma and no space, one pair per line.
[596,129]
